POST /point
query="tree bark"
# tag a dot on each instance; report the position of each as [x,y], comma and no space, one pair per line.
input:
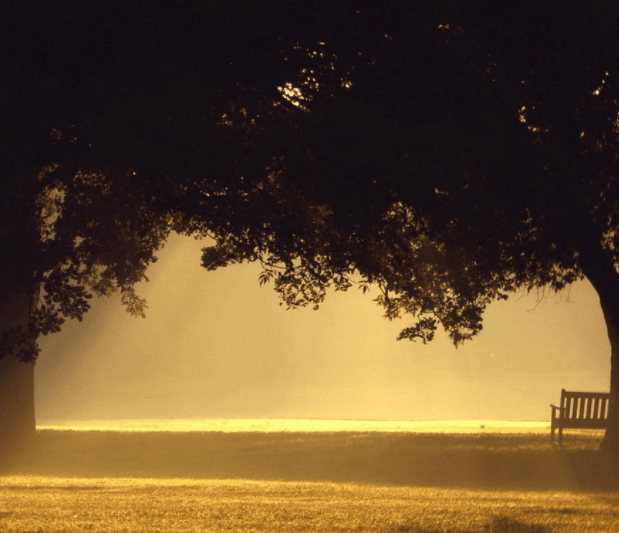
[601,272]
[17,418]
[610,444]
[18,292]
[17,425]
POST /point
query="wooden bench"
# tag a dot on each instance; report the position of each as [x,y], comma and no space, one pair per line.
[579,410]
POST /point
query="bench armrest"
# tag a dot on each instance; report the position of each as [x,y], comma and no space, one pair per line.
[554,411]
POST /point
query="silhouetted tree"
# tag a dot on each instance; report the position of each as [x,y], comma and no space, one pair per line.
[452,154]
[116,123]
[449,152]
[104,106]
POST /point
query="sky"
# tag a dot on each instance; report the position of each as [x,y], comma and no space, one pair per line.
[217,345]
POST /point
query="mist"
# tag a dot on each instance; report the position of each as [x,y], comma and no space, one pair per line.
[217,345]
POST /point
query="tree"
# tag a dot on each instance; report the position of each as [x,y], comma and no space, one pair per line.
[413,146]
[103,105]
[114,116]
[452,158]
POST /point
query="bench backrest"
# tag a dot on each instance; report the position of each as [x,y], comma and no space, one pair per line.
[584,405]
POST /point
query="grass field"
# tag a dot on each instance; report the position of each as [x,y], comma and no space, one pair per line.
[308,481]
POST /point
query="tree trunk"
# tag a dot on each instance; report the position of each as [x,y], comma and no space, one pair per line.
[17,424]
[601,272]
[17,420]
[610,444]
[19,241]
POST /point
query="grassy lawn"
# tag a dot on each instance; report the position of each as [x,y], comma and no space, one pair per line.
[271,482]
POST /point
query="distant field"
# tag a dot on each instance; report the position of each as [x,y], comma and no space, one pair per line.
[318,481]
[303,425]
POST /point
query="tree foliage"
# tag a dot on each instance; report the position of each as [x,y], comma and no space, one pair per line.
[448,152]
[115,121]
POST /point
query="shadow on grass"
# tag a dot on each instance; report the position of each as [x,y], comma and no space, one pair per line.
[498,525]
[473,461]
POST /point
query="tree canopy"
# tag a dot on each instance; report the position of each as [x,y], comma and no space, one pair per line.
[105,106]
[450,152]
[452,157]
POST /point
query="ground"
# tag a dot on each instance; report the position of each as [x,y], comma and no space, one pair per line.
[309,481]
